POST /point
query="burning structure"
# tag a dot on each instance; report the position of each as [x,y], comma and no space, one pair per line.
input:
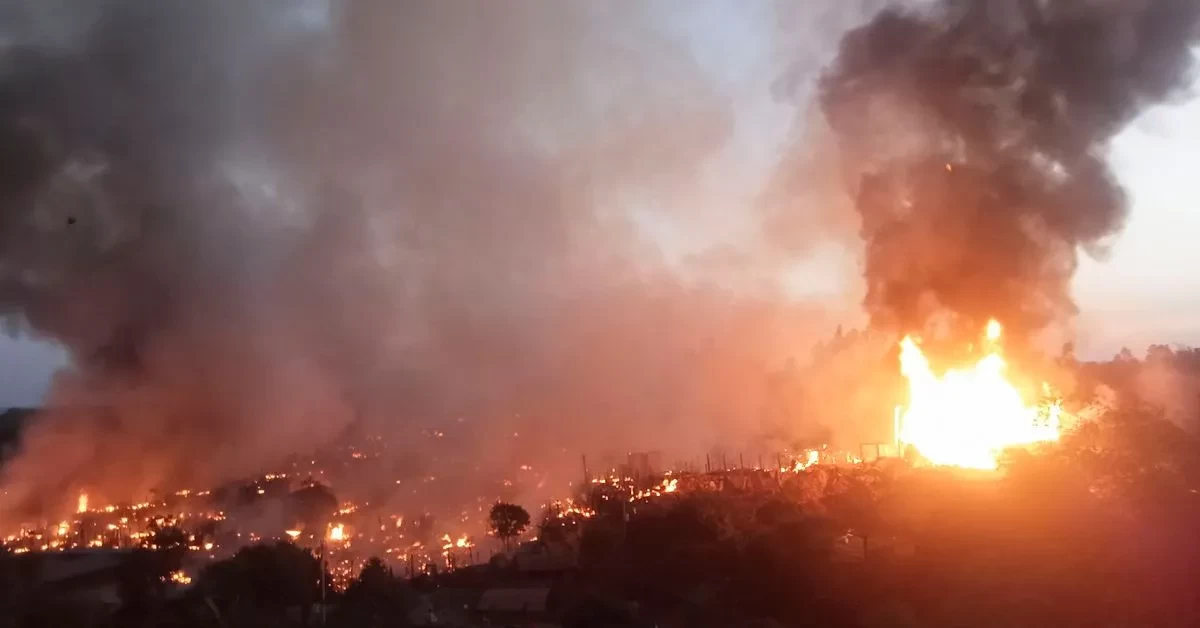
[973,137]
[968,417]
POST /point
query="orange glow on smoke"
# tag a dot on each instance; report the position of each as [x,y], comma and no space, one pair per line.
[967,417]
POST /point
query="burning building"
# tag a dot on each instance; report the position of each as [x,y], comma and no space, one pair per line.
[972,137]
[968,417]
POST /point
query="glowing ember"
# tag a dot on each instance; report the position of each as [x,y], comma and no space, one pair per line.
[337,533]
[669,485]
[82,504]
[293,534]
[967,417]
[179,577]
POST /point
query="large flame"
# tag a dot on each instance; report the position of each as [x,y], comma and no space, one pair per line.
[967,417]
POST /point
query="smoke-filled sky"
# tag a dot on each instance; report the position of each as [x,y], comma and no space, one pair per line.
[1143,291]
[229,232]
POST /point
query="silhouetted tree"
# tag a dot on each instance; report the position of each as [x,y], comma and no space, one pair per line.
[507,521]
[264,579]
[376,598]
[143,578]
[312,506]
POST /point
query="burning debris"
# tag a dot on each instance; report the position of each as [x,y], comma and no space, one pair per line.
[213,524]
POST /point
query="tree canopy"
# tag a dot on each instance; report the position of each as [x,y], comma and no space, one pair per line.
[507,521]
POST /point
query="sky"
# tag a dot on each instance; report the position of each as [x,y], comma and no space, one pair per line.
[1143,291]
[1147,291]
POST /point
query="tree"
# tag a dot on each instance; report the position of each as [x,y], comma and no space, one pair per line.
[312,506]
[375,598]
[264,579]
[142,578]
[507,521]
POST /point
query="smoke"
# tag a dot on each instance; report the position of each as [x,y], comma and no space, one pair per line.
[972,135]
[257,228]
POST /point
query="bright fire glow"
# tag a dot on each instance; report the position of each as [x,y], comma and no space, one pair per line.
[179,577]
[993,330]
[82,505]
[337,532]
[967,417]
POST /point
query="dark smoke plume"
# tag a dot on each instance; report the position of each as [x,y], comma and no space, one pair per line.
[257,225]
[973,134]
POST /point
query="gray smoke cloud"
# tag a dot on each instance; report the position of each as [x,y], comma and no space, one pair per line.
[255,227]
[973,138]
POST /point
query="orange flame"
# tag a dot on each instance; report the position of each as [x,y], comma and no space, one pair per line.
[967,417]
[81,505]
[180,577]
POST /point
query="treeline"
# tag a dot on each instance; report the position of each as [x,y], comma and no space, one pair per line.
[1164,379]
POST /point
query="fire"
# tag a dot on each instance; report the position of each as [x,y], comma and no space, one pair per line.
[337,533]
[81,506]
[180,577]
[463,541]
[993,330]
[669,485]
[967,417]
[811,458]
